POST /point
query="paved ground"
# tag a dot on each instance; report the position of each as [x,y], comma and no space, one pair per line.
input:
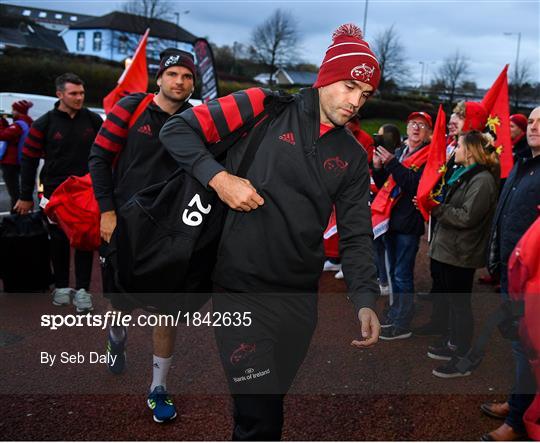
[384,393]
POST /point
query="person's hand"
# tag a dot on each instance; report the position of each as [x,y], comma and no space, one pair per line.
[236,192]
[107,225]
[384,154]
[377,162]
[370,326]
[415,202]
[23,207]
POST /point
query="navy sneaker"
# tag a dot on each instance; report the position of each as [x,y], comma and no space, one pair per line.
[160,403]
[394,333]
[450,370]
[116,354]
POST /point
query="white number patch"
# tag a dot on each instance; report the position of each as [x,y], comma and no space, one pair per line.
[195,218]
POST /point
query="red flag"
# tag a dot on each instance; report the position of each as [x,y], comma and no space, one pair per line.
[498,108]
[430,185]
[133,79]
[388,196]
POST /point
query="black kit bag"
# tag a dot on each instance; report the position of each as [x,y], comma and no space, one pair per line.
[166,237]
[24,253]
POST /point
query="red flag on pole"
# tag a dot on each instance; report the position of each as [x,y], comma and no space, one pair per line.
[496,104]
[430,185]
[133,79]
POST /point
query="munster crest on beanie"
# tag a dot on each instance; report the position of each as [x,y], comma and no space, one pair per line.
[176,57]
[349,57]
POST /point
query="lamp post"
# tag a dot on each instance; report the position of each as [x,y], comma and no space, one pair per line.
[365,19]
[178,23]
[517,52]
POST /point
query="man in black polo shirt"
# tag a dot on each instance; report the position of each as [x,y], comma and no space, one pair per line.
[62,137]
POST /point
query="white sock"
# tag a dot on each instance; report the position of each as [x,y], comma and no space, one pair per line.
[118,333]
[160,369]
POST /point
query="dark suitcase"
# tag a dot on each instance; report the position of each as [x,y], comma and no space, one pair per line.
[24,254]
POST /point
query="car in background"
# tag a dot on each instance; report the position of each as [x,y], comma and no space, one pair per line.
[42,104]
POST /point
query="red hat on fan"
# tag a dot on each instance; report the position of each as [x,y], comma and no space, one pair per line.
[349,57]
[22,106]
[475,117]
[423,115]
[519,120]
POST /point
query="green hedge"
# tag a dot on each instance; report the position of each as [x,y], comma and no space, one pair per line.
[34,72]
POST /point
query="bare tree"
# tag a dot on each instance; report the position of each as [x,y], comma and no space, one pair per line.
[275,42]
[453,72]
[520,78]
[148,8]
[391,55]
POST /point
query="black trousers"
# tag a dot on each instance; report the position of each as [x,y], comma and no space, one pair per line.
[60,256]
[456,284]
[11,174]
[440,313]
[261,360]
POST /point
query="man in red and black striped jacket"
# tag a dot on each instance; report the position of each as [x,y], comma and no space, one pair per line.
[132,144]
[271,253]
[62,137]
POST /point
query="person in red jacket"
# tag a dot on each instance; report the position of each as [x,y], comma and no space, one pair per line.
[12,134]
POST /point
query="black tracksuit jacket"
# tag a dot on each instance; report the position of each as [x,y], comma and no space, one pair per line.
[63,142]
[136,152]
[279,246]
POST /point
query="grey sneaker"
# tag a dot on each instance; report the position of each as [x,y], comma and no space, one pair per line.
[62,296]
[83,301]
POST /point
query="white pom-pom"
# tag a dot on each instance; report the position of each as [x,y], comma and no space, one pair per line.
[348,29]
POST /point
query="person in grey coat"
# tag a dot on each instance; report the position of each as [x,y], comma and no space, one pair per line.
[461,237]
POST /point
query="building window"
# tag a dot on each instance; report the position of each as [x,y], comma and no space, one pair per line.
[58,16]
[80,41]
[42,14]
[27,12]
[122,44]
[73,18]
[97,42]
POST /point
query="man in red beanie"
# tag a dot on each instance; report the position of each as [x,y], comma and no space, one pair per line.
[271,252]
[139,161]
[518,129]
[10,157]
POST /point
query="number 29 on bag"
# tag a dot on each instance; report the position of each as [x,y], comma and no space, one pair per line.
[195,217]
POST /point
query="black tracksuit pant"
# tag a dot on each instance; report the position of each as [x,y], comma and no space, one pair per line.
[60,256]
[12,179]
[261,360]
[456,285]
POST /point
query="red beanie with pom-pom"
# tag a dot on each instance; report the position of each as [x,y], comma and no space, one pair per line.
[349,58]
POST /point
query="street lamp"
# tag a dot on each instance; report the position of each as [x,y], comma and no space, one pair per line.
[365,19]
[178,23]
[518,45]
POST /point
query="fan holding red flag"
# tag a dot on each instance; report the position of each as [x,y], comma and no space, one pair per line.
[394,214]
[133,79]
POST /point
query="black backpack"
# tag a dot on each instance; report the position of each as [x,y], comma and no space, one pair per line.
[24,253]
[166,237]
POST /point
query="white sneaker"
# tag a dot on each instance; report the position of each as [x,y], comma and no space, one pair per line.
[62,296]
[83,301]
[385,290]
[329,266]
[339,275]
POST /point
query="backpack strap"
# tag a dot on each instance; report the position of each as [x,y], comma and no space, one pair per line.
[505,318]
[143,104]
[25,130]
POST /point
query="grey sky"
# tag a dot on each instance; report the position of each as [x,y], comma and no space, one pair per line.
[429,30]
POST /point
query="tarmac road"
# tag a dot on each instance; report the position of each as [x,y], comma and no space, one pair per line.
[341,393]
